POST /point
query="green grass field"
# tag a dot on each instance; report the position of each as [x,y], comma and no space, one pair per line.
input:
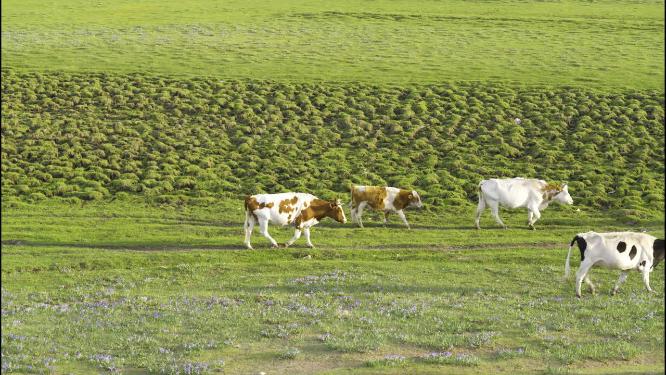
[131,131]
[592,44]
[130,287]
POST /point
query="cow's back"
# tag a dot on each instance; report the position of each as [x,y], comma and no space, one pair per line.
[623,250]
[510,192]
[375,196]
[282,208]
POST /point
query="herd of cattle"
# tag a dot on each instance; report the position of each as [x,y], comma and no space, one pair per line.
[609,250]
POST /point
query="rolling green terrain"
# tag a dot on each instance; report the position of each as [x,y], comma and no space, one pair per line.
[131,131]
[92,136]
[133,288]
[590,44]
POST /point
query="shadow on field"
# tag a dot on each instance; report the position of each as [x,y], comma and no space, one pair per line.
[260,247]
[142,247]
[146,219]
[425,246]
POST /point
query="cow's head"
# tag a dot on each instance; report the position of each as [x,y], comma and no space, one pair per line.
[657,252]
[336,212]
[415,199]
[563,196]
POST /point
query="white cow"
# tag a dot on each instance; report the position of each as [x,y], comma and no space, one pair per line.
[519,192]
[299,209]
[619,250]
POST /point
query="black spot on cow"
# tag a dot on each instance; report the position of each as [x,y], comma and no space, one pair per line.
[582,245]
[633,252]
[657,252]
[642,263]
[622,246]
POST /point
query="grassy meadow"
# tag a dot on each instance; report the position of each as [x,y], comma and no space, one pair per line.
[132,130]
[132,288]
[590,44]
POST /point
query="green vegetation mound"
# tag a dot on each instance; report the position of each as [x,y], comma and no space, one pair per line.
[94,136]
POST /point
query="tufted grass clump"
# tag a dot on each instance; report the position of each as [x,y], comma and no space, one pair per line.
[290,353]
[169,153]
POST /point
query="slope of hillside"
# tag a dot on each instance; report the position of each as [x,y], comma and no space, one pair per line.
[92,136]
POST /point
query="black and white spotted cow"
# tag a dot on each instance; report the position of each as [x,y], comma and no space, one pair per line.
[619,250]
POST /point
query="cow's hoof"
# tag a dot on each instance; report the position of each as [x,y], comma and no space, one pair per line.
[249,247]
[286,245]
[275,246]
[577,295]
[613,292]
[311,246]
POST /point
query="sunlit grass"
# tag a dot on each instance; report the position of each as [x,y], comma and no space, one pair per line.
[358,301]
[600,44]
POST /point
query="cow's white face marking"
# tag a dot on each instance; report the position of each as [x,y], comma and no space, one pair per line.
[416,203]
[339,212]
[563,196]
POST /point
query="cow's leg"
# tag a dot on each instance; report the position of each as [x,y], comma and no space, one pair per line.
[306,231]
[494,208]
[479,210]
[587,280]
[536,215]
[620,281]
[646,277]
[386,213]
[402,216]
[353,212]
[582,274]
[263,229]
[359,213]
[249,226]
[530,217]
[297,235]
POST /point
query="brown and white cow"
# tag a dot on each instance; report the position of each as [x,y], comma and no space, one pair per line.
[301,210]
[380,198]
[624,251]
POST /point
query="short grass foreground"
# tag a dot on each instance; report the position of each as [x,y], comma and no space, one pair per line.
[119,287]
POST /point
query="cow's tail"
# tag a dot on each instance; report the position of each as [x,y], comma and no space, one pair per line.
[248,212]
[567,267]
[480,191]
[351,200]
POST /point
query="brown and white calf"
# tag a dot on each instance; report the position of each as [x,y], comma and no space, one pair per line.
[301,210]
[619,250]
[379,198]
[533,194]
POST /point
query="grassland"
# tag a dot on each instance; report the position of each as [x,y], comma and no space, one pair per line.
[131,129]
[128,287]
[605,44]
[92,136]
